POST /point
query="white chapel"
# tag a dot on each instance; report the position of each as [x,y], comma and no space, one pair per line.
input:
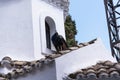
[26,49]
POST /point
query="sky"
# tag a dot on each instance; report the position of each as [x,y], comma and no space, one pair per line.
[90,19]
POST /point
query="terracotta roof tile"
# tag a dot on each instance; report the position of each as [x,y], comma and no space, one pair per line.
[20,68]
[106,69]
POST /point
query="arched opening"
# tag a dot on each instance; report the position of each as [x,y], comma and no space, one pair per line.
[50,30]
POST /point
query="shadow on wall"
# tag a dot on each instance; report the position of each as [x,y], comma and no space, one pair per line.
[8,2]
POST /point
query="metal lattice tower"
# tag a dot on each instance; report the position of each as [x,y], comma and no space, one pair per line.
[112,8]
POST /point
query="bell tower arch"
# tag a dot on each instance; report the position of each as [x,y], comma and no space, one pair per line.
[48,17]
[50,29]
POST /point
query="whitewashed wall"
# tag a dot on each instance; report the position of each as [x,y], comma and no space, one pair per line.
[40,10]
[22,28]
[16,31]
[81,58]
[48,72]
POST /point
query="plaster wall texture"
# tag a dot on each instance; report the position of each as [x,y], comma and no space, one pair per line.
[16,31]
[82,58]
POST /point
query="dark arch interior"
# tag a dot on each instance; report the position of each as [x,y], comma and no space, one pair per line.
[48,41]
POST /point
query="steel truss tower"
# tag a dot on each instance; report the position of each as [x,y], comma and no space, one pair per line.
[112,9]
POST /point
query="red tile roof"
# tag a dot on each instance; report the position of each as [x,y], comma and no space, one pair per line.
[105,69]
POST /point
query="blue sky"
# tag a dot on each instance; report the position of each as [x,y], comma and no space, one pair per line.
[90,19]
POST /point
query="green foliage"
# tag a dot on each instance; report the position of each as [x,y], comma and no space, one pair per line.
[70,30]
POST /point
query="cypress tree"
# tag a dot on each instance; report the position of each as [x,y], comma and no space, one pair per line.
[70,30]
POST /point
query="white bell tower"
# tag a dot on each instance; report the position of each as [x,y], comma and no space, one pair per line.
[26,27]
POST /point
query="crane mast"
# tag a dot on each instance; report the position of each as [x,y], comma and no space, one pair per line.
[112,8]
